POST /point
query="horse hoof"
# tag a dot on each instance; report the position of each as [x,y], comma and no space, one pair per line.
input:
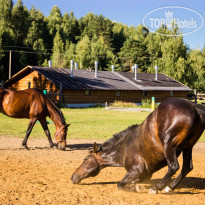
[167,190]
[25,146]
[153,191]
[51,145]
[140,189]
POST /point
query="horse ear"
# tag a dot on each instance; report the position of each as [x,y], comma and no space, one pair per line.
[95,147]
[67,125]
[99,148]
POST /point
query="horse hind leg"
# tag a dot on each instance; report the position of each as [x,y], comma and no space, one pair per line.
[46,130]
[186,168]
[28,132]
[173,166]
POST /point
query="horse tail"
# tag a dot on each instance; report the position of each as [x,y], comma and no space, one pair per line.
[201,111]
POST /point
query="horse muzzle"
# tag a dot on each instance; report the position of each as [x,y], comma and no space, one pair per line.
[75,179]
[61,145]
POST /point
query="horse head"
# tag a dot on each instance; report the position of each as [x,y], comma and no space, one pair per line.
[89,168]
[60,136]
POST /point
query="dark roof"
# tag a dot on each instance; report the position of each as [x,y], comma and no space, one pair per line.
[106,80]
[146,81]
[84,79]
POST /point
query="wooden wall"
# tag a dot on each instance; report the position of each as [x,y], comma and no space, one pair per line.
[102,96]
[36,80]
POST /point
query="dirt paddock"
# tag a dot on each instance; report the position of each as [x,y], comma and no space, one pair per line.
[42,176]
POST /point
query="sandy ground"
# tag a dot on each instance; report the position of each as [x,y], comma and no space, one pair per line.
[42,176]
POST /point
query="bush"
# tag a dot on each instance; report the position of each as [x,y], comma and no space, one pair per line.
[146,103]
[123,104]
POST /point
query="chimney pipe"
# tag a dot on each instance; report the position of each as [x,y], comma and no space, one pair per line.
[135,66]
[113,68]
[76,66]
[156,68]
[71,67]
[96,68]
[50,63]
[133,69]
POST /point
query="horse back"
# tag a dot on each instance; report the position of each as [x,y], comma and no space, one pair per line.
[27,103]
[176,121]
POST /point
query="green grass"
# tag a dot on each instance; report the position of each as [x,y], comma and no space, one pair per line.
[91,123]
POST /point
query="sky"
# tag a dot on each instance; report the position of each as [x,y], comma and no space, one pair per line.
[129,12]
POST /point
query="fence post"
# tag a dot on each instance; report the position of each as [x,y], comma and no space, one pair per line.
[153,103]
[2,84]
[195,94]
[45,92]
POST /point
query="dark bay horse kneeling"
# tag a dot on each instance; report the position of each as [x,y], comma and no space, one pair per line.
[174,127]
[34,105]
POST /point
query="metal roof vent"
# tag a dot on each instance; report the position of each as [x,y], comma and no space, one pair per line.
[135,67]
[96,68]
[50,63]
[76,66]
[156,74]
[71,67]
[113,68]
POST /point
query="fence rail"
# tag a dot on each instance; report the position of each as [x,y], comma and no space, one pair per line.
[200,96]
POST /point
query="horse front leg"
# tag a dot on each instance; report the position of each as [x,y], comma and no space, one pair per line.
[128,183]
[28,132]
[135,171]
[46,130]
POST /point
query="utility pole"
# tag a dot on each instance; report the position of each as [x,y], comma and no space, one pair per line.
[9,64]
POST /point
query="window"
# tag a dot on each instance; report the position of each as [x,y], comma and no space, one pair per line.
[87,92]
[171,93]
[118,93]
[29,84]
[145,93]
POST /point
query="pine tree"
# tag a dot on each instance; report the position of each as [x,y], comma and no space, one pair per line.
[197,64]
[134,52]
[20,22]
[54,21]
[83,50]
[58,57]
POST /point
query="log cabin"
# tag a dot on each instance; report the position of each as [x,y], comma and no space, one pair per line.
[83,88]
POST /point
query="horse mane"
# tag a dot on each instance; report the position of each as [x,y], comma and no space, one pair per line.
[118,137]
[57,109]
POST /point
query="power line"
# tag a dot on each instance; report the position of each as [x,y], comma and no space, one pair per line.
[21,47]
[64,54]
[31,52]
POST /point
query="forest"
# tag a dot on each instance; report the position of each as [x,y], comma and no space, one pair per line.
[33,38]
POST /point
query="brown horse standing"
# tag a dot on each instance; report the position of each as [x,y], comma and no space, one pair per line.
[34,105]
[174,127]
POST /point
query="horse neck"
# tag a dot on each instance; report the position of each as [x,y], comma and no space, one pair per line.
[112,157]
[55,114]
